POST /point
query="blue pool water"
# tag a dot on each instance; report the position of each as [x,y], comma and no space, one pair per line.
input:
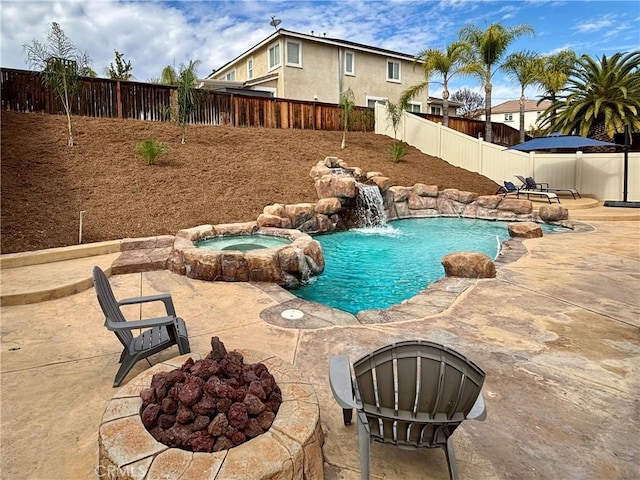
[380,267]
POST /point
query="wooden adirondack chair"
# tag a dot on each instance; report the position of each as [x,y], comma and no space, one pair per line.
[156,334]
[410,394]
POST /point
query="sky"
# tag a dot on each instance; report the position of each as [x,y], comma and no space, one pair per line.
[154,34]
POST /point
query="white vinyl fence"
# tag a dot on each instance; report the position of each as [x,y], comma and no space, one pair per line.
[599,175]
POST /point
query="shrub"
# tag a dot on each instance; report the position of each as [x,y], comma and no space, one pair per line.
[396,151]
[150,149]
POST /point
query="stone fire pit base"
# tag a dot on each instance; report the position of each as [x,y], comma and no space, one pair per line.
[291,449]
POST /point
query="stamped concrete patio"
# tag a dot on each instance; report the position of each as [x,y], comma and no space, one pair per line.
[557,333]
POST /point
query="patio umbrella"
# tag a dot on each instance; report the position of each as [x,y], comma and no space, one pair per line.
[558,140]
[575,142]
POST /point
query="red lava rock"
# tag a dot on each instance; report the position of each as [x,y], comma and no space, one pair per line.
[201,422]
[169,405]
[201,441]
[218,350]
[191,392]
[253,404]
[211,404]
[265,419]
[148,396]
[237,415]
[150,415]
[222,443]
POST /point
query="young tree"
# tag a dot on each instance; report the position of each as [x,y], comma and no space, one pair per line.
[60,63]
[601,95]
[187,95]
[444,63]
[169,76]
[347,102]
[122,69]
[489,48]
[523,67]
[472,103]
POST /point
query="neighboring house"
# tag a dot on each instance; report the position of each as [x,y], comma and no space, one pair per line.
[318,68]
[509,113]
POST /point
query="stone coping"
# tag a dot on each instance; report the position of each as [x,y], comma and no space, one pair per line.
[290,449]
[288,265]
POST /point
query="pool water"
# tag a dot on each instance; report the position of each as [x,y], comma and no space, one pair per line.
[376,268]
[242,243]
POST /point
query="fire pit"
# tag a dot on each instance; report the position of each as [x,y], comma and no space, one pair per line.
[290,449]
[212,404]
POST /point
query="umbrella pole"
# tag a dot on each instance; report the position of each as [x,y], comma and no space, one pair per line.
[626,173]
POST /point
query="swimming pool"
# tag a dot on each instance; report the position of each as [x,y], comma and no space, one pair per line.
[379,267]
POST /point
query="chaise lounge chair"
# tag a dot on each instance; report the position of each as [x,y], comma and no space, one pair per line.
[530,184]
[409,394]
[160,333]
[510,189]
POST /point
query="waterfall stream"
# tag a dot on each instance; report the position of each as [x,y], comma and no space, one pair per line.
[370,206]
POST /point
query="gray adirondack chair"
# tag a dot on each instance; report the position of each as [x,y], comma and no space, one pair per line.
[156,334]
[409,394]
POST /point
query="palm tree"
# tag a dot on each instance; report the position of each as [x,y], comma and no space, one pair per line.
[489,47]
[554,73]
[187,95]
[524,68]
[601,95]
[445,63]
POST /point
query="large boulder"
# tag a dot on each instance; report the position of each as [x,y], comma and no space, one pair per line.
[468,265]
[525,230]
[425,190]
[339,186]
[328,206]
[553,213]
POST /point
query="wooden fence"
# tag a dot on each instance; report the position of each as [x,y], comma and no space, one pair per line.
[24,91]
[501,134]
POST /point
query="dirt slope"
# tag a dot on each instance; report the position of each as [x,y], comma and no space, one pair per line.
[221,175]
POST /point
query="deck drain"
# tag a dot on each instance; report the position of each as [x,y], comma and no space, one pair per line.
[292,314]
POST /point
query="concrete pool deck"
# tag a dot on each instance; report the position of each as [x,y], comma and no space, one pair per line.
[557,333]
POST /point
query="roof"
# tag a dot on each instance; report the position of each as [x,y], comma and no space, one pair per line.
[324,40]
[513,106]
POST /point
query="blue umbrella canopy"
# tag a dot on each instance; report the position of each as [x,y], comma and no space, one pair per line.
[558,140]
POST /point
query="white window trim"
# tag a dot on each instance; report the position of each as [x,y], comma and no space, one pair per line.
[376,99]
[299,64]
[419,104]
[508,117]
[250,72]
[279,64]
[226,75]
[274,91]
[351,73]
[392,60]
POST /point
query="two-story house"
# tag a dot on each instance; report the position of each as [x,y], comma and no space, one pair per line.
[318,68]
[509,113]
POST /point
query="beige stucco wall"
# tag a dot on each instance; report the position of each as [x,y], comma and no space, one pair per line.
[322,66]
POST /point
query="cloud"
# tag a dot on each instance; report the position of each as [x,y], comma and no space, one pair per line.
[595,25]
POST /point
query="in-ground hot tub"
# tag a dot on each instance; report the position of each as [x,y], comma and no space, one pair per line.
[242,243]
[242,252]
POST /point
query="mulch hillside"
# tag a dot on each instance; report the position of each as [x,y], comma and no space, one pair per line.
[221,175]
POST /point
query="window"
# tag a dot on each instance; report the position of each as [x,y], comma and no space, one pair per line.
[436,111]
[393,71]
[508,117]
[294,54]
[371,101]
[414,107]
[250,69]
[349,64]
[231,76]
[274,56]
